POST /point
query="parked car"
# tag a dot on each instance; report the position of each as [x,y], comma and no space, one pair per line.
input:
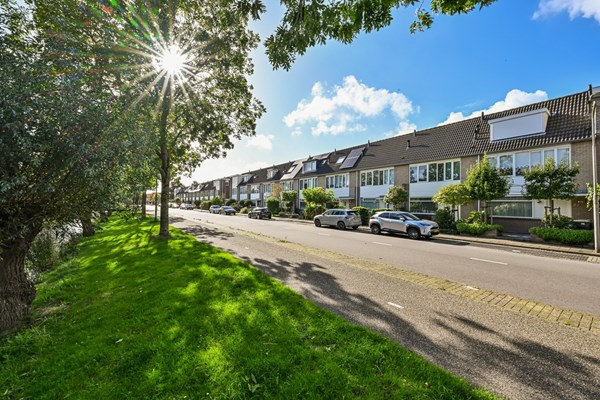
[403,222]
[260,213]
[214,209]
[186,206]
[227,210]
[340,218]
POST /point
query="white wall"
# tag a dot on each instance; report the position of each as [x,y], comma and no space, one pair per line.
[426,189]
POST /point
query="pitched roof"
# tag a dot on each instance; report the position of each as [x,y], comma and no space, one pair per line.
[569,121]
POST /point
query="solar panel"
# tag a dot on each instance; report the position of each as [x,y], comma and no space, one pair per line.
[352,158]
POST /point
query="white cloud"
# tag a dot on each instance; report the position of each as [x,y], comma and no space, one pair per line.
[514,98]
[263,142]
[297,131]
[575,8]
[341,110]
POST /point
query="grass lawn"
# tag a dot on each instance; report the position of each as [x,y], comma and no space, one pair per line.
[134,316]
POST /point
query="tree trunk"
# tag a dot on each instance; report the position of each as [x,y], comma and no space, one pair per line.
[16,291]
[87,225]
[143,216]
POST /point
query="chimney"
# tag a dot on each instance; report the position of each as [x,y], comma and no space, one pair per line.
[407,144]
[415,133]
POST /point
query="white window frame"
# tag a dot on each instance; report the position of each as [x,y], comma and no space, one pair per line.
[368,178]
[441,169]
[309,166]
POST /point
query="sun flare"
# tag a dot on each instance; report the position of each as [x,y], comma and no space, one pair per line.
[172,60]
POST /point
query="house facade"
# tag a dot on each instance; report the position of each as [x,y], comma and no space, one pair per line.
[424,161]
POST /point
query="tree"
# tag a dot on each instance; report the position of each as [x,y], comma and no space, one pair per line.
[396,195]
[63,138]
[549,182]
[289,198]
[307,24]
[454,195]
[317,196]
[273,204]
[485,183]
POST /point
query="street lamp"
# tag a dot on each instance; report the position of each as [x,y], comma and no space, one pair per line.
[594,98]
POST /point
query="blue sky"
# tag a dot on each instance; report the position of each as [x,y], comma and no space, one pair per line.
[385,83]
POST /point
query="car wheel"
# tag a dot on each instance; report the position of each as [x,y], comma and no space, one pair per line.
[413,233]
[249,215]
[376,229]
[317,223]
[341,225]
[259,216]
[354,228]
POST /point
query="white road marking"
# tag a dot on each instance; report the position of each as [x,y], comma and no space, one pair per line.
[395,305]
[324,234]
[488,261]
[383,244]
[470,287]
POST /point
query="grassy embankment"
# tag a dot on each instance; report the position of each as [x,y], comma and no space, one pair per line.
[134,316]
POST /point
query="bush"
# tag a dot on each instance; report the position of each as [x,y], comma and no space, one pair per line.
[477,228]
[310,211]
[205,205]
[557,221]
[282,214]
[217,201]
[476,216]
[364,213]
[566,236]
[197,203]
[246,203]
[273,205]
[244,210]
[445,218]
[230,202]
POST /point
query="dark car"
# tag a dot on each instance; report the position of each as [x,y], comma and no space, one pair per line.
[227,210]
[260,213]
[403,222]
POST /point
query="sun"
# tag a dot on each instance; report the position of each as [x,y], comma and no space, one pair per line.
[172,60]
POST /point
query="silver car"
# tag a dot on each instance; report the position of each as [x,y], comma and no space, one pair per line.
[340,218]
[403,222]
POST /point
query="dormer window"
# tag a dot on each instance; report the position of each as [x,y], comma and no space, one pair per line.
[340,160]
[524,124]
[310,166]
[271,173]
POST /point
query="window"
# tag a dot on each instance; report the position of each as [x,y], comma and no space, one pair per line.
[271,173]
[340,160]
[548,154]
[310,166]
[521,163]
[506,165]
[422,205]
[243,190]
[337,181]
[413,174]
[377,177]
[536,158]
[423,173]
[286,186]
[435,172]
[254,189]
[267,188]
[512,208]
[562,156]
[432,172]
[308,183]
[493,161]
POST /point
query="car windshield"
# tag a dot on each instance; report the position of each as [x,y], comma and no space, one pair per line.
[409,216]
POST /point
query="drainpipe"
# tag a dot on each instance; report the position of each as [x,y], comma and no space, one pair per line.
[593,100]
[356,188]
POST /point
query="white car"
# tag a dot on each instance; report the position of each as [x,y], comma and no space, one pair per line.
[339,218]
[403,222]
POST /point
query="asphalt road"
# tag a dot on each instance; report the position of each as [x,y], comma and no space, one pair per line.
[559,282]
[516,356]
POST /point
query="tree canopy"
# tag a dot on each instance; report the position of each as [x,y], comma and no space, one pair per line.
[485,183]
[396,195]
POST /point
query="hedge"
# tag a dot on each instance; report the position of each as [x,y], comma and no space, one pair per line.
[565,236]
[477,228]
[364,213]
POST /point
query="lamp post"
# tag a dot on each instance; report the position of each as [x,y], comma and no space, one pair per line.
[594,98]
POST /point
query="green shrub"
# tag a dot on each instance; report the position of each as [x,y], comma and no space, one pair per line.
[445,218]
[246,203]
[244,210]
[566,236]
[310,211]
[205,205]
[477,228]
[197,203]
[273,205]
[282,214]
[364,213]
[557,221]
[230,202]
[476,216]
[217,201]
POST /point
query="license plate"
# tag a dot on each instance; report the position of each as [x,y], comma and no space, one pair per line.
[435,231]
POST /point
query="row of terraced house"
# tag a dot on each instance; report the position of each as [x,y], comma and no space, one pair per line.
[424,161]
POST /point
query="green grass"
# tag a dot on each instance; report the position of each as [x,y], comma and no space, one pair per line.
[135,316]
